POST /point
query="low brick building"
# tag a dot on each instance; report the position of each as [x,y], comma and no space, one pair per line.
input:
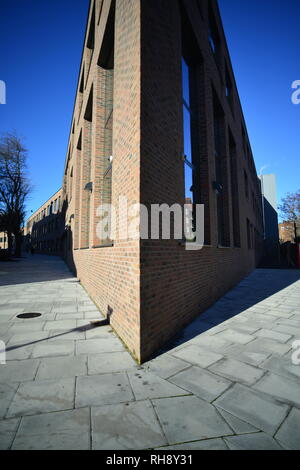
[3,241]
[288,231]
[157,120]
[45,228]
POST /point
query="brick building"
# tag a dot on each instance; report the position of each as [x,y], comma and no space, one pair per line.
[288,231]
[157,119]
[45,228]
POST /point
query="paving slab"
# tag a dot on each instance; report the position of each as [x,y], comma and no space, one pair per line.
[61,367]
[27,338]
[239,426]
[8,428]
[110,362]
[248,357]
[206,444]
[42,396]
[201,383]
[21,328]
[166,365]
[197,355]
[103,389]
[271,334]
[268,346]
[234,336]
[64,430]
[60,325]
[148,385]
[258,409]
[59,335]
[7,392]
[212,343]
[189,419]
[53,348]
[256,441]
[97,346]
[18,371]
[289,432]
[126,426]
[237,371]
[285,390]
[282,366]
[99,332]
[14,353]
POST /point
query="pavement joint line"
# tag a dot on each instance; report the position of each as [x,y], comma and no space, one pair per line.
[159,422]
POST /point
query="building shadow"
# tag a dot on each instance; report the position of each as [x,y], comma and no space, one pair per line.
[34,268]
[258,286]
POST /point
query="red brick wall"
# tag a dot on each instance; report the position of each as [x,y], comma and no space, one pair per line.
[153,288]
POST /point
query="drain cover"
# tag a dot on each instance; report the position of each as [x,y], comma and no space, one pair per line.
[29,315]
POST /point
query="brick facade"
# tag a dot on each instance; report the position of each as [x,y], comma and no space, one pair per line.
[129,106]
[45,228]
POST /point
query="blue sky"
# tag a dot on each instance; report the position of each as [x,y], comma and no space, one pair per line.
[40,49]
[263,41]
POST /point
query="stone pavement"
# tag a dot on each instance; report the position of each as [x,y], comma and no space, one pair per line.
[226,382]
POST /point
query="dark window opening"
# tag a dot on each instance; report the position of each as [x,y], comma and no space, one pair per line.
[213,34]
[196,186]
[229,90]
[248,234]
[88,115]
[79,144]
[234,192]
[246,184]
[221,183]
[91,36]
[244,140]
[106,62]
[106,56]
[200,7]
[81,87]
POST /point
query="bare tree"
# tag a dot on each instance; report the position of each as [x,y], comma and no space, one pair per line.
[290,209]
[14,188]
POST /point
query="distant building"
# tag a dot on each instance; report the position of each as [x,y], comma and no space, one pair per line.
[287,232]
[45,227]
[3,241]
[270,218]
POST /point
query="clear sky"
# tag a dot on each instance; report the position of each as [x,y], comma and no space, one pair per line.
[40,49]
[263,40]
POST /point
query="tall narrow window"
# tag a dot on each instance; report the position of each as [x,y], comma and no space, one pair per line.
[234,192]
[249,234]
[246,184]
[86,172]
[106,62]
[187,118]
[221,183]
[229,89]
[90,43]
[195,145]
[213,35]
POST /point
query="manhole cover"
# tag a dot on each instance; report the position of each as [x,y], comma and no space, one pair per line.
[29,315]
